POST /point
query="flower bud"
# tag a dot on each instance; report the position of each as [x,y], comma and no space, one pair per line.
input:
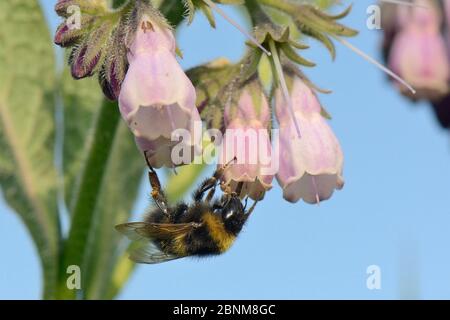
[85,58]
[68,35]
[63,7]
[115,66]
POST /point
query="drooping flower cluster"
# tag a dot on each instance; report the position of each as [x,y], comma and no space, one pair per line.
[133,50]
[416,46]
[307,167]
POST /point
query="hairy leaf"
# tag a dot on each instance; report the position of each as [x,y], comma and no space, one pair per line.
[27,103]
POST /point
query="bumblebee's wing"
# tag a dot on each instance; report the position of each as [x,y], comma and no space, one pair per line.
[130,230]
[142,234]
[141,230]
[149,253]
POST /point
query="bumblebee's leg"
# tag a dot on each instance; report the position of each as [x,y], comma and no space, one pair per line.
[157,194]
[211,183]
[249,212]
[245,203]
[210,194]
[208,184]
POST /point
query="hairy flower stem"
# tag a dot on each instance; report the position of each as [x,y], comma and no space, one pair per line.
[282,83]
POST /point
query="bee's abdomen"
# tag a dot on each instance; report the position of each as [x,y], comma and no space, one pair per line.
[211,238]
[200,243]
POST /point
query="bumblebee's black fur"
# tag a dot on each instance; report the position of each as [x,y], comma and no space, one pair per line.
[200,242]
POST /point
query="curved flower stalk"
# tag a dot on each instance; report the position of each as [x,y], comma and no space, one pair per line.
[419,52]
[157,97]
[311,165]
[247,139]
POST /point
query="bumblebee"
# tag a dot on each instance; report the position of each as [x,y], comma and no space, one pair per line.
[206,227]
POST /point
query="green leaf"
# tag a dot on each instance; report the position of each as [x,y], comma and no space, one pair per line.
[265,72]
[295,57]
[190,10]
[103,193]
[81,100]
[120,275]
[120,188]
[124,168]
[207,11]
[87,193]
[27,131]
[173,10]
[324,4]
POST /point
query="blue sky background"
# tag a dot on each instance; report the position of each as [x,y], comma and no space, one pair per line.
[393,211]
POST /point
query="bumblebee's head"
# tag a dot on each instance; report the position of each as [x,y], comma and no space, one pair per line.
[233,215]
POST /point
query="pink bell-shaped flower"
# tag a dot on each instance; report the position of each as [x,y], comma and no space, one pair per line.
[311,165]
[419,53]
[157,97]
[247,139]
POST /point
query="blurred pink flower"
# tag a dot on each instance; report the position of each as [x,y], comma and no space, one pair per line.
[247,138]
[311,165]
[156,96]
[419,52]
[447,19]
